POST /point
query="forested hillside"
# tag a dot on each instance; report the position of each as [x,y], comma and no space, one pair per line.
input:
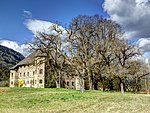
[8,58]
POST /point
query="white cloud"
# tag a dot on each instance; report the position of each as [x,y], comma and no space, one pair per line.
[133,15]
[23,49]
[42,26]
[35,26]
[144,43]
[38,26]
[27,14]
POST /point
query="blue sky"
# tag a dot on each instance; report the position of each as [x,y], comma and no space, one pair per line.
[20,19]
[12,16]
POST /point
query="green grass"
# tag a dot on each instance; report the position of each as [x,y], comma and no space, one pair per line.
[30,100]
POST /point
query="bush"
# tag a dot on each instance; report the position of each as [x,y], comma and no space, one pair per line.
[4,83]
[16,83]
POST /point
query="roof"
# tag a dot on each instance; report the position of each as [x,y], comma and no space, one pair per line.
[28,60]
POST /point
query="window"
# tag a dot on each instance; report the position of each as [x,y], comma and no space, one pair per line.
[11,74]
[41,71]
[35,81]
[40,62]
[67,83]
[24,74]
[40,81]
[31,81]
[12,83]
[28,74]
[33,72]
[72,83]
[20,74]
[27,82]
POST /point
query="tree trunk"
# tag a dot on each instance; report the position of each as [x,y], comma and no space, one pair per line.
[81,85]
[111,85]
[57,84]
[90,80]
[138,81]
[122,87]
[96,85]
[146,86]
[103,87]
[90,84]
[59,78]
[58,81]
[136,84]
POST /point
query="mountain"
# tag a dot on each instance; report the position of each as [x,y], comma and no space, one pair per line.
[9,57]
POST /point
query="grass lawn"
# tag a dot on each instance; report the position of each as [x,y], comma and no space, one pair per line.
[31,100]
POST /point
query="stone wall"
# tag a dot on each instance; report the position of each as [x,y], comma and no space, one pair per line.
[72,82]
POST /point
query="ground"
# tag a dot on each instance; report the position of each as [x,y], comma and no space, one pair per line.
[31,100]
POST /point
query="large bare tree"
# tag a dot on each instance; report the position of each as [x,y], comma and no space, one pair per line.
[92,39]
[95,50]
[51,46]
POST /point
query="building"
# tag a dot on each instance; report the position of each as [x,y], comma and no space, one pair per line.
[31,72]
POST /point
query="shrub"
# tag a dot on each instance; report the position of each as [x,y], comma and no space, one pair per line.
[4,83]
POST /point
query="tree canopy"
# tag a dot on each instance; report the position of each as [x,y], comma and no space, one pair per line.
[91,47]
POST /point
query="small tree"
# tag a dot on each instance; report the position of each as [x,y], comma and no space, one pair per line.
[124,53]
[138,70]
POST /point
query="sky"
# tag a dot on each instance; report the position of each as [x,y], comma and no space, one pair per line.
[21,19]
[14,13]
